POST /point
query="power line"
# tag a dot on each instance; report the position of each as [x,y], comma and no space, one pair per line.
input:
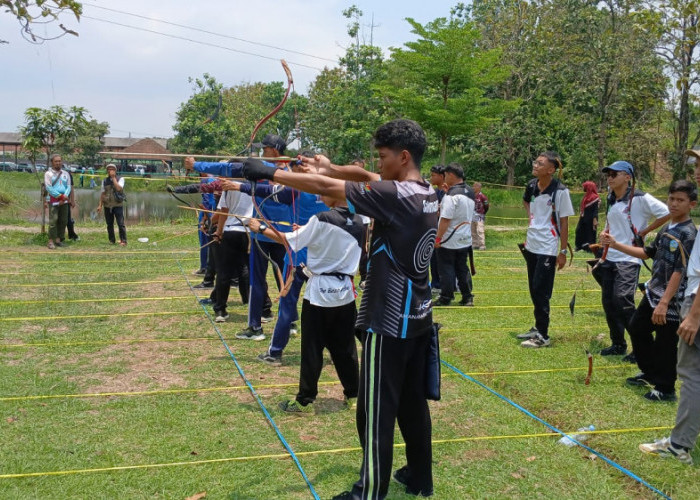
[208,44]
[231,37]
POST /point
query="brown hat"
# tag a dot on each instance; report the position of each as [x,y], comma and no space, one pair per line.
[693,152]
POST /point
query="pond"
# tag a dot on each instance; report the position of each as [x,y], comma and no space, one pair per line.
[145,206]
[140,206]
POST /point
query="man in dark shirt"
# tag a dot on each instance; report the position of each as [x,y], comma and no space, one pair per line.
[395,317]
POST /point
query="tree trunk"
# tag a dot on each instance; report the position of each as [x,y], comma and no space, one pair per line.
[443,148]
[679,169]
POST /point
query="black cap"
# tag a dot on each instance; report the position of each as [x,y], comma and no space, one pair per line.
[272,141]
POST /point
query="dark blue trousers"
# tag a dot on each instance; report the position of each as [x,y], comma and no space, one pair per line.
[259,299]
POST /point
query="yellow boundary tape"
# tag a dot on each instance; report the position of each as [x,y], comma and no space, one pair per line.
[83,316]
[96,301]
[63,273]
[314,452]
[94,261]
[199,339]
[506,306]
[277,386]
[108,342]
[38,285]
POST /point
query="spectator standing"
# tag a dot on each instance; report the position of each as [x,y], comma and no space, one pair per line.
[654,324]
[437,180]
[112,200]
[628,213]
[454,238]
[58,186]
[70,225]
[549,207]
[587,227]
[481,206]
[687,427]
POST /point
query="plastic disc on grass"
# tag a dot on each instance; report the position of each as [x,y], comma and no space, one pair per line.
[143,240]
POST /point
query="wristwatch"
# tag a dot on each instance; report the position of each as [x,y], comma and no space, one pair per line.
[563,251]
[262,228]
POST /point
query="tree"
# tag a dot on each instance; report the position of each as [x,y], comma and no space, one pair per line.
[200,125]
[218,120]
[86,144]
[586,79]
[344,107]
[56,127]
[29,13]
[441,79]
[680,47]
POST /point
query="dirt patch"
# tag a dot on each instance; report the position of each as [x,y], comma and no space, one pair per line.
[143,366]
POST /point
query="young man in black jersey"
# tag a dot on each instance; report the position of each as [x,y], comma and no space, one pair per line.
[395,317]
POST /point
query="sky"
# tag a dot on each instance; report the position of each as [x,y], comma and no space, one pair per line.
[135,80]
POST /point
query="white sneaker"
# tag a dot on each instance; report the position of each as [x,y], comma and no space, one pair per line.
[537,342]
[221,318]
[266,319]
[293,330]
[664,448]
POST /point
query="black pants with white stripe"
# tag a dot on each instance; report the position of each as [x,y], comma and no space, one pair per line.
[332,328]
[392,387]
[540,279]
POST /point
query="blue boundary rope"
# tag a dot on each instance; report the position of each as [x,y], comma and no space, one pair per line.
[550,426]
[252,391]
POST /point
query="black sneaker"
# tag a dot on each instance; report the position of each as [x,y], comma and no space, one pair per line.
[251,334]
[469,302]
[654,395]
[206,302]
[203,285]
[640,380]
[402,475]
[630,358]
[200,272]
[346,495]
[614,350]
[269,359]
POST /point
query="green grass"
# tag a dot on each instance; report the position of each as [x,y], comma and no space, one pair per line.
[124,354]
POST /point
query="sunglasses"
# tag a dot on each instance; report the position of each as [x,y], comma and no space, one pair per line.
[612,174]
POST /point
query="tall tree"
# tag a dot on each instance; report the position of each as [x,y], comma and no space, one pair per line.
[344,107]
[441,79]
[200,125]
[680,48]
[218,120]
[47,129]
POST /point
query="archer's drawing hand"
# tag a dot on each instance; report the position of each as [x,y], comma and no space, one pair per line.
[319,164]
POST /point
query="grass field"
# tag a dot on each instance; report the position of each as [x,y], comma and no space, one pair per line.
[114,383]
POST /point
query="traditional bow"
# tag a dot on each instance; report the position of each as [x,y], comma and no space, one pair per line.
[285,284]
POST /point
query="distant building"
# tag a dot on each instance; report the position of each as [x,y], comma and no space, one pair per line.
[11,149]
